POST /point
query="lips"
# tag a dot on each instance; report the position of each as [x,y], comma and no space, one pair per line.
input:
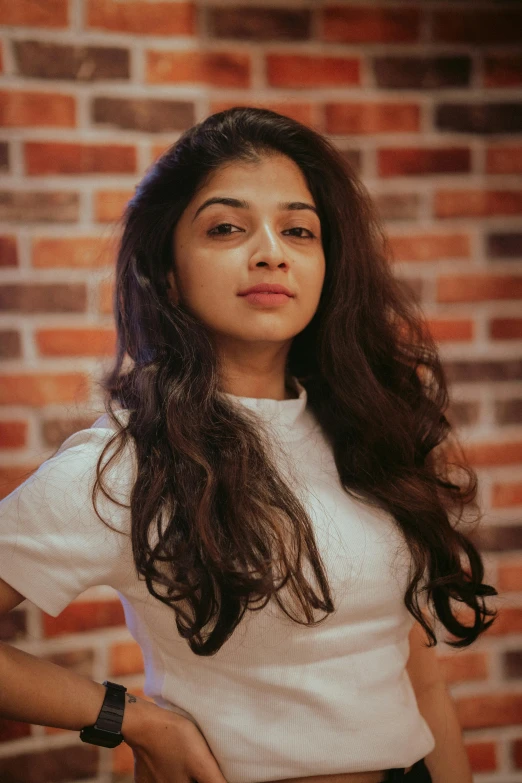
[266,288]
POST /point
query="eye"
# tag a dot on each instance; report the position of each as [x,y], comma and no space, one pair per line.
[213,231]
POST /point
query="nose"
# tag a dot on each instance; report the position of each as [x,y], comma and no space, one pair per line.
[268,250]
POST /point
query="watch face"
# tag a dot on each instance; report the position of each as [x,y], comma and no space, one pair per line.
[100,737]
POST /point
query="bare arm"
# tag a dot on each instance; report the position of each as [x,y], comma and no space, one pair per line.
[448,762]
[37,691]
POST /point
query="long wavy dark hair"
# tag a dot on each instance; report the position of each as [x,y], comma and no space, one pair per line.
[209,510]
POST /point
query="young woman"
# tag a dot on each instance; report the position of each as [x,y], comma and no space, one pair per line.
[280,515]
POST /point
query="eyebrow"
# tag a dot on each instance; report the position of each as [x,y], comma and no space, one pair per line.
[240,203]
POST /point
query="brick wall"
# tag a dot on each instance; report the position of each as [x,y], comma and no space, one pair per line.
[425,99]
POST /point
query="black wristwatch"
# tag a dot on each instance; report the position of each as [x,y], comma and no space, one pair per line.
[107,729]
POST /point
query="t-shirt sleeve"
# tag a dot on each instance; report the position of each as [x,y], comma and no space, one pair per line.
[53,546]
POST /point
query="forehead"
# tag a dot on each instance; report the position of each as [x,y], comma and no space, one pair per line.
[271,171]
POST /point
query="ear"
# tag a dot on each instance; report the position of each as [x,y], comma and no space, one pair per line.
[172,291]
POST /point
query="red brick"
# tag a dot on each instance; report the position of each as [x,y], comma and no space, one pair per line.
[8,251]
[12,476]
[1,57]
[509,575]
[370,25]
[143,18]
[478,288]
[372,118]
[301,70]
[399,162]
[19,108]
[13,434]
[125,658]
[507,622]
[76,342]
[109,205]
[506,494]
[489,710]
[464,666]
[13,730]
[491,454]
[502,70]
[105,295]
[72,158]
[52,13]
[43,388]
[72,252]
[81,616]
[505,328]
[482,756]
[504,159]
[477,26]
[430,247]
[450,329]
[477,203]
[220,69]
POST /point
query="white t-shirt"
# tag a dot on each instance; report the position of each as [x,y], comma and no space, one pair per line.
[279,699]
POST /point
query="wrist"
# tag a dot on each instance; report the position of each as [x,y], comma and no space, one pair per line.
[140,719]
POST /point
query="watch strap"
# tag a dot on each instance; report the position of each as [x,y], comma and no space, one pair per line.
[113,707]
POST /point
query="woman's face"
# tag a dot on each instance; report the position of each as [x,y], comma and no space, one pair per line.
[261,243]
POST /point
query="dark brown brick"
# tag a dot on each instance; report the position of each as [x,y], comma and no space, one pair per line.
[502,70]
[420,161]
[55,431]
[477,26]
[82,63]
[397,206]
[78,661]
[497,538]
[13,625]
[413,285]
[484,370]
[259,24]
[31,206]
[4,155]
[150,115]
[512,664]
[58,765]
[10,344]
[504,245]
[484,118]
[463,413]
[426,73]
[354,158]
[8,251]
[43,297]
[508,411]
